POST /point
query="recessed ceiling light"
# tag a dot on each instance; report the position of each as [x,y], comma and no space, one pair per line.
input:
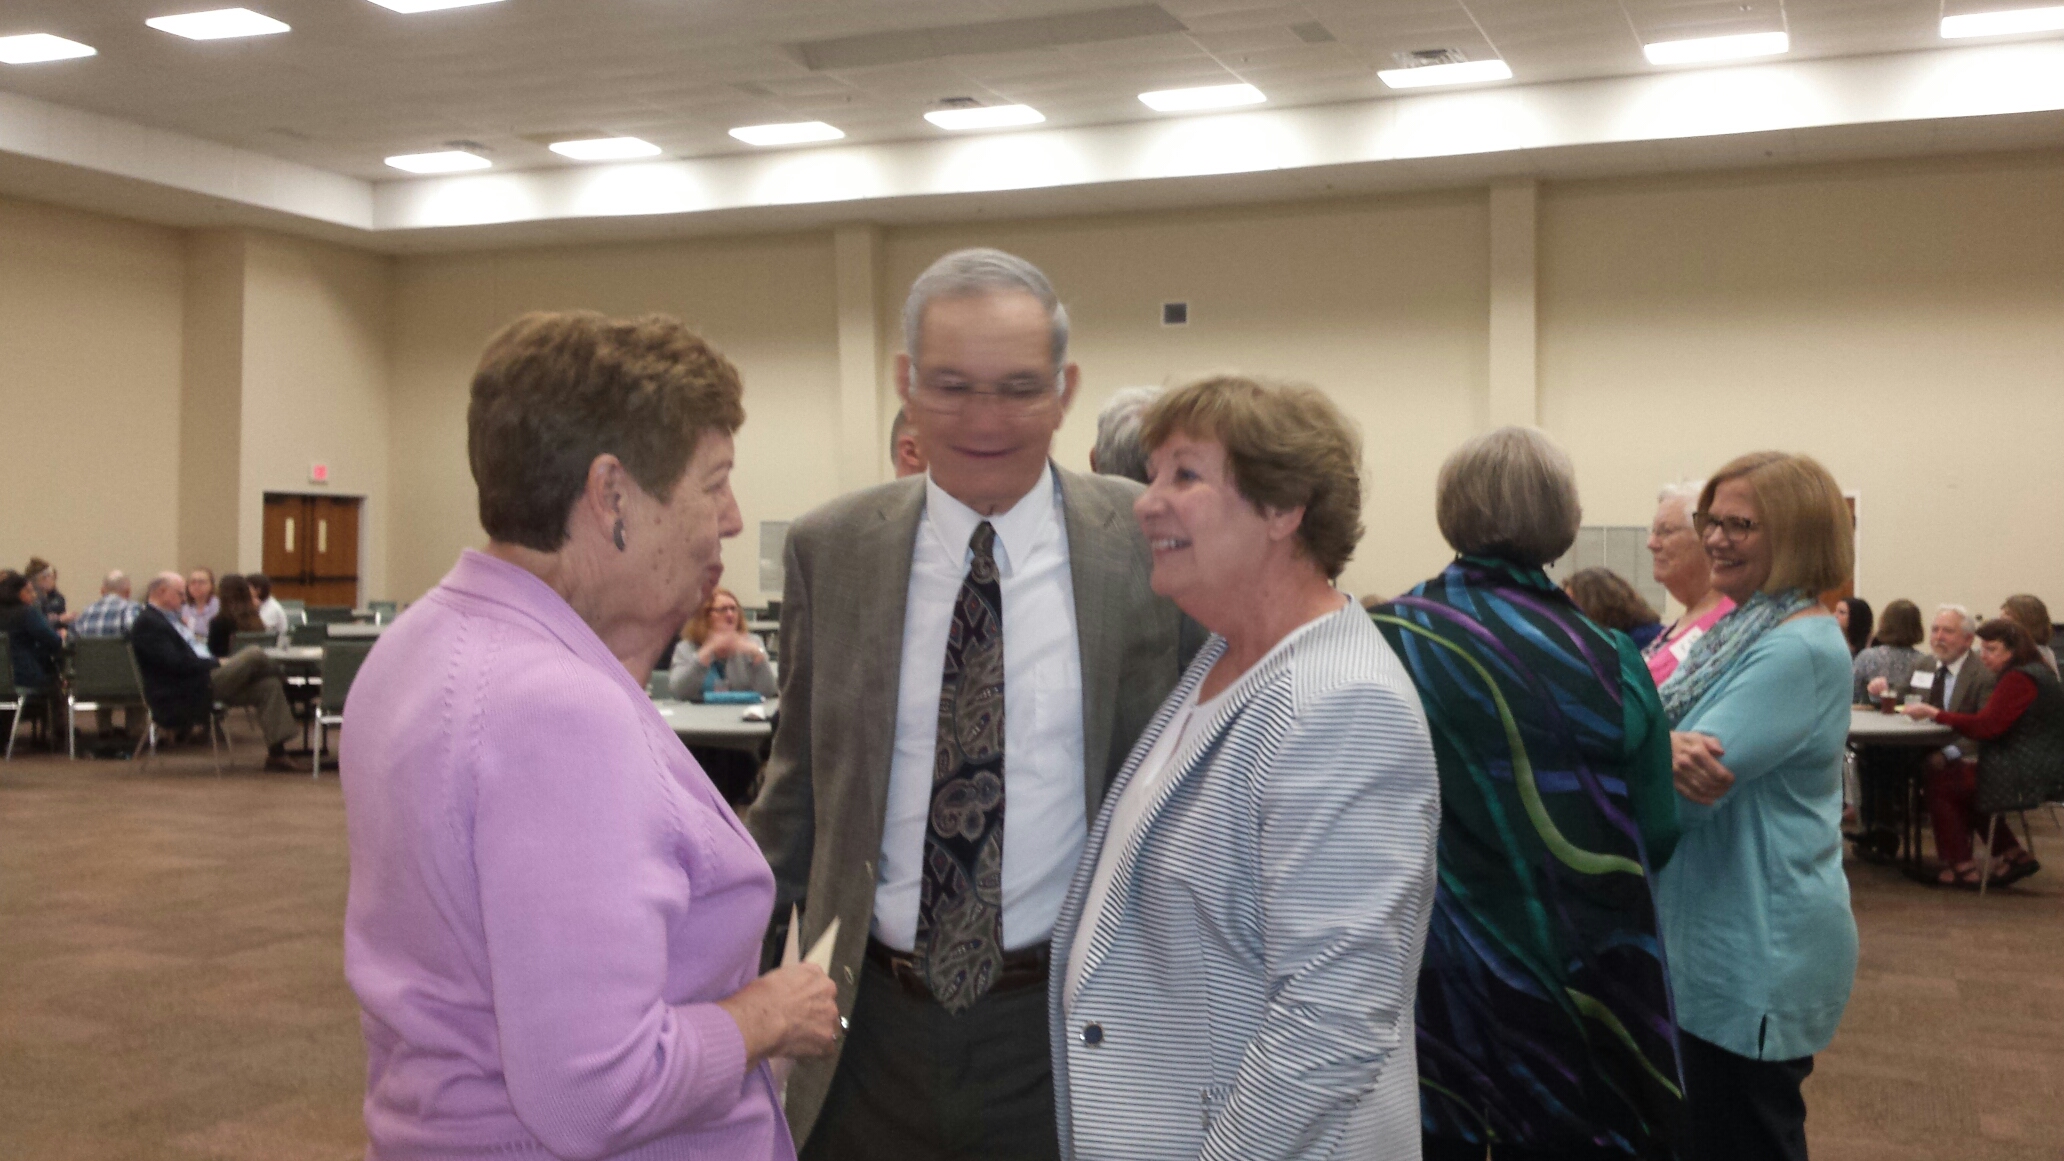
[1205,97]
[788,133]
[217,25]
[1468,72]
[429,5]
[1712,48]
[2003,23]
[985,117]
[37,47]
[605,148]
[443,161]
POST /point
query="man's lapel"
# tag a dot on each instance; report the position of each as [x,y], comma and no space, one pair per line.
[1104,567]
[881,559]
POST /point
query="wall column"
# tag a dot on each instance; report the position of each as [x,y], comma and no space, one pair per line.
[211,403]
[1514,383]
[856,257]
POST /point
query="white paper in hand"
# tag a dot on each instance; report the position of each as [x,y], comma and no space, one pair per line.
[820,955]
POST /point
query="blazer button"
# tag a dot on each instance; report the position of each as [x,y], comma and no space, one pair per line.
[1092,1034]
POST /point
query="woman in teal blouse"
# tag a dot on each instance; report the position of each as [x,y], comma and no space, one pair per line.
[1544,1026]
[1754,904]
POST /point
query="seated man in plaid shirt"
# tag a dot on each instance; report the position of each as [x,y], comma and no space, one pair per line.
[111,615]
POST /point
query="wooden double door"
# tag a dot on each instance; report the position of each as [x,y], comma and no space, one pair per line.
[311,547]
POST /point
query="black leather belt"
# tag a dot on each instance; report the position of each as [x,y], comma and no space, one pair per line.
[1023,968]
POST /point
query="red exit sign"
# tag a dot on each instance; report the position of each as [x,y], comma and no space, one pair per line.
[318,473]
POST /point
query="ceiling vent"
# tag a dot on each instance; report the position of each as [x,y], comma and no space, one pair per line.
[873,49]
[1312,32]
[1421,57]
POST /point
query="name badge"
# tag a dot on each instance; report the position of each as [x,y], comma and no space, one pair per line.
[1682,648]
[1922,679]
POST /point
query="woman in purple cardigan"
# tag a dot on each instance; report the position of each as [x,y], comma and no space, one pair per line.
[554,923]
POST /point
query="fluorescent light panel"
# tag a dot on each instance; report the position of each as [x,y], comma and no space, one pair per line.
[414,6]
[1468,72]
[1205,97]
[220,24]
[788,133]
[37,47]
[1712,48]
[2003,23]
[445,161]
[987,117]
[605,148]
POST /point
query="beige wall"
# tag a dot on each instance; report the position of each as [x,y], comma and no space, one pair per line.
[316,329]
[1904,324]
[1383,304]
[768,303]
[1875,315]
[90,350]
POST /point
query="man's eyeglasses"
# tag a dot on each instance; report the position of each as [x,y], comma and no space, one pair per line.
[1015,396]
[1731,527]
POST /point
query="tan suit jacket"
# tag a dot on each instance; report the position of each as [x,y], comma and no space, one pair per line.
[820,814]
[1974,684]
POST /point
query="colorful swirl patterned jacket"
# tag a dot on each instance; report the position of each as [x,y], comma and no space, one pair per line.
[1545,1018]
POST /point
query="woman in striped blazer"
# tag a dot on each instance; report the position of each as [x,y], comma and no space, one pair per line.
[1238,952]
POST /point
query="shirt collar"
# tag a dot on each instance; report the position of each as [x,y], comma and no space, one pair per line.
[1017,530]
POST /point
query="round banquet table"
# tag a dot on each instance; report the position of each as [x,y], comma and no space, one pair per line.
[1891,757]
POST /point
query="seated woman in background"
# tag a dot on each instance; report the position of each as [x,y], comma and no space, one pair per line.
[1605,596]
[2020,763]
[723,657]
[1556,810]
[2028,611]
[1889,664]
[33,646]
[1853,614]
[1682,569]
[237,613]
[1755,906]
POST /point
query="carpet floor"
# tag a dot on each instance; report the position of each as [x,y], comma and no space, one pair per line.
[171,984]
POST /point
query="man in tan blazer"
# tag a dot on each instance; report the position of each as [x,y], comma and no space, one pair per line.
[967,658]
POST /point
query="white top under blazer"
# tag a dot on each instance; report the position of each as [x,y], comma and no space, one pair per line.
[1246,988]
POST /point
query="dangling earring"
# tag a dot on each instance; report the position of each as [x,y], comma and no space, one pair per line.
[618,536]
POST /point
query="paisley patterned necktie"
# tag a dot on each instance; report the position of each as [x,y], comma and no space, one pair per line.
[960,905]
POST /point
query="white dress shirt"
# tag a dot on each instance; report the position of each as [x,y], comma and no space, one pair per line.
[1043,817]
[273,616]
[1946,673]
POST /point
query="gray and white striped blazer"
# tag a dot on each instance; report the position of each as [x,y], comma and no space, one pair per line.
[1248,991]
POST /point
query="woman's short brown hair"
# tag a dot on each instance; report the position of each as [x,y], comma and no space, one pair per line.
[1608,599]
[1900,625]
[554,391]
[1510,494]
[2014,637]
[2028,611]
[1287,446]
[1798,502]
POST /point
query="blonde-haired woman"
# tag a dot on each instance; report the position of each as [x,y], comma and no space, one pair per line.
[721,656]
[1754,904]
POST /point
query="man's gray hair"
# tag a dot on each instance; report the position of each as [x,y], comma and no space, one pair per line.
[115,581]
[1964,617]
[1118,449]
[966,273]
[1685,492]
[1510,494]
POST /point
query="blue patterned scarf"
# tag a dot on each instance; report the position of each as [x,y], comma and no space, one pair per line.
[1716,653]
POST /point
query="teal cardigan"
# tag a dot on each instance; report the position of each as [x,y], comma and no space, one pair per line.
[1755,906]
